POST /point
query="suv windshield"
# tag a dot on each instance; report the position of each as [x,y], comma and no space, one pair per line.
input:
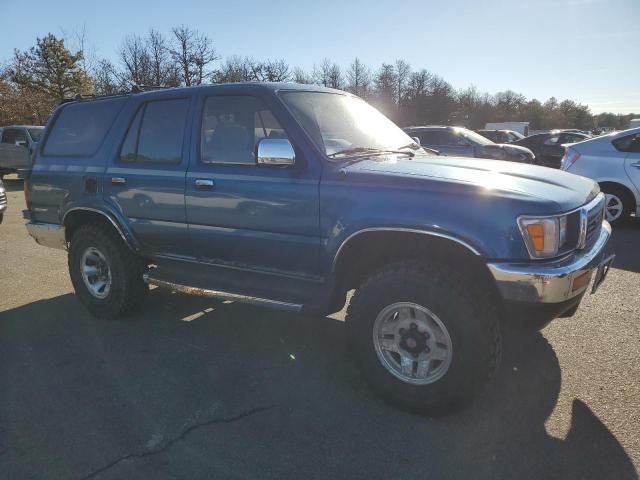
[345,125]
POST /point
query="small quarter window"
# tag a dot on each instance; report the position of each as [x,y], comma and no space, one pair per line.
[80,127]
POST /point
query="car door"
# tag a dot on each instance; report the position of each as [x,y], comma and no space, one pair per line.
[146,178]
[14,149]
[241,214]
[550,150]
[632,160]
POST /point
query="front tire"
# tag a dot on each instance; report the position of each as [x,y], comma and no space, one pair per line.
[423,340]
[105,273]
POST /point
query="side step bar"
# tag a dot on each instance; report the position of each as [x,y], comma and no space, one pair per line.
[235,297]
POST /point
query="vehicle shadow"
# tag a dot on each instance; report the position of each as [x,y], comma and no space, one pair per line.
[193,388]
[624,243]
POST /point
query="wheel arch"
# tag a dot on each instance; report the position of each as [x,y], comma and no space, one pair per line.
[366,251]
[629,192]
[77,216]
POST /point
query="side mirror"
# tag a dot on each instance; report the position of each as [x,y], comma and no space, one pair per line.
[21,143]
[275,151]
[416,139]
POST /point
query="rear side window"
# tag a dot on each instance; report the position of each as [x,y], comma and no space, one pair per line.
[80,127]
[156,133]
[630,143]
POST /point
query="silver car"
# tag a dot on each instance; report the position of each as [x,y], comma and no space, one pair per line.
[614,162]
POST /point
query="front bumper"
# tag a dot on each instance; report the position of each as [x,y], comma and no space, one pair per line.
[553,282]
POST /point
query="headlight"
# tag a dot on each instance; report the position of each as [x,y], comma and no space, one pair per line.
[544,236]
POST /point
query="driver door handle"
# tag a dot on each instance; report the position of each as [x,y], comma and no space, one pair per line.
[204,184]
[637,164]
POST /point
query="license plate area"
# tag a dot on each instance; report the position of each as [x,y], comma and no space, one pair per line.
[601,273]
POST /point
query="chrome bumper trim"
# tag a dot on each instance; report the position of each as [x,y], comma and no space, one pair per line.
[549,282]
[220,295]
[48,234]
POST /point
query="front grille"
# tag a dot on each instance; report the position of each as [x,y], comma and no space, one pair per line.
[3,199]
[594,223]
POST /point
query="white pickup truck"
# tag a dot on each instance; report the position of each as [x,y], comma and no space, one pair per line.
[17,143]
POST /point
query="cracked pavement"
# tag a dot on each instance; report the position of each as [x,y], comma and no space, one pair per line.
[192,388]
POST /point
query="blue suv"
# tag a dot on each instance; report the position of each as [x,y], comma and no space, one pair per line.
[292,196]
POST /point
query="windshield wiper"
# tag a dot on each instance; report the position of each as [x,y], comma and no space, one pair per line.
[368,150]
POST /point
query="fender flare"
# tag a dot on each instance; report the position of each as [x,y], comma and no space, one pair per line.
[125,234]
[445,236]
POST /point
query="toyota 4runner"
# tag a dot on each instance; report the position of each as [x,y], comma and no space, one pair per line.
[291,196]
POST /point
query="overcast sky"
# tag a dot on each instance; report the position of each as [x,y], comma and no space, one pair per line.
[584,50]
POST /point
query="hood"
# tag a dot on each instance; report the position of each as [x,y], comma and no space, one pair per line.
[560,190]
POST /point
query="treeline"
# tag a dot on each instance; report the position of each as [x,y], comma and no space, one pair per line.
[32,82]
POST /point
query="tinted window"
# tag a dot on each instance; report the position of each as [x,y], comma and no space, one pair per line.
[436,137]
[13,135]
[553,140]
[572,138]
[232,126]
[81,127]
[156,133]
[630,143]
[130,145]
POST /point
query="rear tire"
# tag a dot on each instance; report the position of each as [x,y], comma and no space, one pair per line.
[105,273]
[468,319]
[618,204]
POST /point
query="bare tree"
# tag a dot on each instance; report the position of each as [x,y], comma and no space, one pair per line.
[136,60]
[322,74]
[358,78]
[271,71]
[403,73]
[335,76]
[193,52]
[235,69]
[106,80]
[300,76]
[161,65]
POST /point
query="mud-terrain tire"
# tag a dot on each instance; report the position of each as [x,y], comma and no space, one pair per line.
[470,319]
[99,249]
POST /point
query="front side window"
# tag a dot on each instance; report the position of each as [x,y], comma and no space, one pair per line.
[156,133]
[232,126]
[343,123]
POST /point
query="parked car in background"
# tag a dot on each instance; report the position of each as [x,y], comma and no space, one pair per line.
[520,127]
[17,143]
[3,200]
[461,142]
[548,147]
[501,136]
[614,162]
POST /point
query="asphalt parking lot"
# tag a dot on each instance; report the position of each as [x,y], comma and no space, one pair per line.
[194,388]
